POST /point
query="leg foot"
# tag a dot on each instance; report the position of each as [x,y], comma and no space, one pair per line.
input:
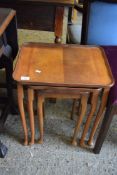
[25,143]
[82,143]
[90,143]
[31,143]
[80,118]
[74,143]
[40,141]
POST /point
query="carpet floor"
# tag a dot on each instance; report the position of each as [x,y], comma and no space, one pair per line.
[56,156]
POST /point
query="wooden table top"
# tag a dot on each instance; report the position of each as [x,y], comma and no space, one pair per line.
[5,17]
[62,65]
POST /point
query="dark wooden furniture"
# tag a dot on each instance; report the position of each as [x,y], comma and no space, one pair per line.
[111,110]
[73,66]
[8,52]
[44,15]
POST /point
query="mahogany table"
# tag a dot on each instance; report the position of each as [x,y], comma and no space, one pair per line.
[64,66]
[44,15]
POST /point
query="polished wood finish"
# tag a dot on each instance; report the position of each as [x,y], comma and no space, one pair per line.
[22,112]
[94,93]
[100,112]
[80,118]
[63,65]
[90,116]
[59,24]
[40,106]
[55,70]
[58,92]
[31,114]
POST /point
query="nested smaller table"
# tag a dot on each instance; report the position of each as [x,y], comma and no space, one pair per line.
[64,66]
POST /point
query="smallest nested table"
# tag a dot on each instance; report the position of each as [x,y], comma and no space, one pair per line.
[63,66]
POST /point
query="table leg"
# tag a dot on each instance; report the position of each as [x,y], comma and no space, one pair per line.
[43,109]
[31,114]
[99,115]
[88,121]
[59,24]
[80,118]
[73,108]
[110,112]
[40,117]
[22,113]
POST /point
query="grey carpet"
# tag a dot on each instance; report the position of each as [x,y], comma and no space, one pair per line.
[56,156]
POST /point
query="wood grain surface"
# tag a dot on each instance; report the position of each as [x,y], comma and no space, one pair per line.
[67,65]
